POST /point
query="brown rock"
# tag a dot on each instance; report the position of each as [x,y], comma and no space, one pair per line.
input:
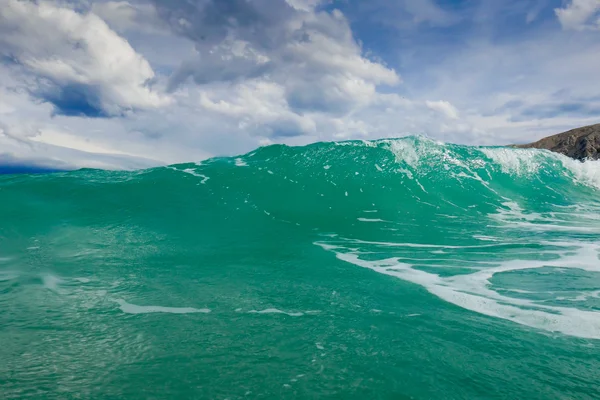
[581,143]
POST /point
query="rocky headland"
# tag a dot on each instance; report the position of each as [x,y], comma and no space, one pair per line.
[581,143]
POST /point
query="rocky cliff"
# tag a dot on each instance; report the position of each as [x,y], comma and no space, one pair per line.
[581,143]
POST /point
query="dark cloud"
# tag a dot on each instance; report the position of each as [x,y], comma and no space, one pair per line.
[72,100]
[209,22]
[310,53]
[263,28]
[209,67]
[74,61]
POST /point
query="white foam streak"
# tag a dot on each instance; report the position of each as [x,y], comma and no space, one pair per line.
[472,291]
[432,246]
[485,238]
[371,220]
[276,311]
[513,216]
[129,308]
[191,171]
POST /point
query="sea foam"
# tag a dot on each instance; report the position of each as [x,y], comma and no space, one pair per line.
[472,291]
[129,308]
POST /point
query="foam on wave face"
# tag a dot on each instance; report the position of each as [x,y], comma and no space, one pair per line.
[528,162]
[472,291]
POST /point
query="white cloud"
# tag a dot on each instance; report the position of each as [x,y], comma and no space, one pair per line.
[186,80]
[577,14]
[444,108]
[518,91]
[309,81]
[124,16]
[313,56]
[259,107]
[85,67]
[306,80]
[17,149]
[304,5]
[32,134]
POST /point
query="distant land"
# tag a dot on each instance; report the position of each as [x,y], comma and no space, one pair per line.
[581,143]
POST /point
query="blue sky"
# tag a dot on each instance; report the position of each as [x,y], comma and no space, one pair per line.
[131,84]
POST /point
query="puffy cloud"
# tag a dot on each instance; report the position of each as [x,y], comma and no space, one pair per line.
[258,106]
[278,69]
[261,71]
[304,5]
[310,55]
[519,91]
[184,80]
[444,108]
[31,133]
[77,63]
[579,15]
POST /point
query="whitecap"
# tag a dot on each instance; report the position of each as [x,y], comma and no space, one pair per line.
[240,163]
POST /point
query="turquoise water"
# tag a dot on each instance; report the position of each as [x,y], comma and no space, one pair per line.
[394,269]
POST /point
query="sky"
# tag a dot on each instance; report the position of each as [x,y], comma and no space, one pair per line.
[134,84]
